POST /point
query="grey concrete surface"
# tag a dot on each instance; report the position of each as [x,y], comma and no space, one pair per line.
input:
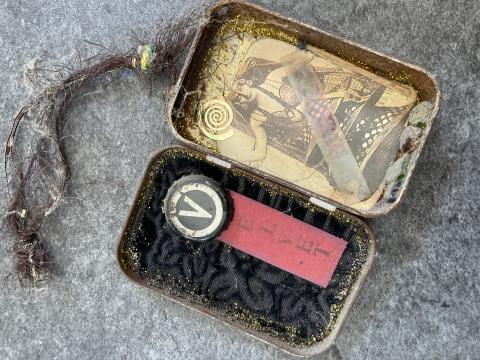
[422,298]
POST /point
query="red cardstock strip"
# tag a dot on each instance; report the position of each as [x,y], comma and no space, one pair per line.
[283,241]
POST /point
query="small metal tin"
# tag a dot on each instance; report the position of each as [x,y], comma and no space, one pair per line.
[214,120]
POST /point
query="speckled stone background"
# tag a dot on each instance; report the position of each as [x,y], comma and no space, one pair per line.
[422,298]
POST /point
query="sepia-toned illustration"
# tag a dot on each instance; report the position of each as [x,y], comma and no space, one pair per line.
[327,125]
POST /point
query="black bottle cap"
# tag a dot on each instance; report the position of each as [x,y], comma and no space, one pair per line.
[196,207]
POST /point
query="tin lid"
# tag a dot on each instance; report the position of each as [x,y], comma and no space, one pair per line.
[331,119]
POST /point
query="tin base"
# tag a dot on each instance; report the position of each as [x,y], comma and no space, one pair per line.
[239,289]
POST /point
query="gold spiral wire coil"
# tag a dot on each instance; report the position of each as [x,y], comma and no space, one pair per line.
[215,119]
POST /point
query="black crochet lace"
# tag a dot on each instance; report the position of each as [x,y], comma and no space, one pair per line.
[230,281]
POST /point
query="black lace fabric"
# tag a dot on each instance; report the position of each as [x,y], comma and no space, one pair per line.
[228,281]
